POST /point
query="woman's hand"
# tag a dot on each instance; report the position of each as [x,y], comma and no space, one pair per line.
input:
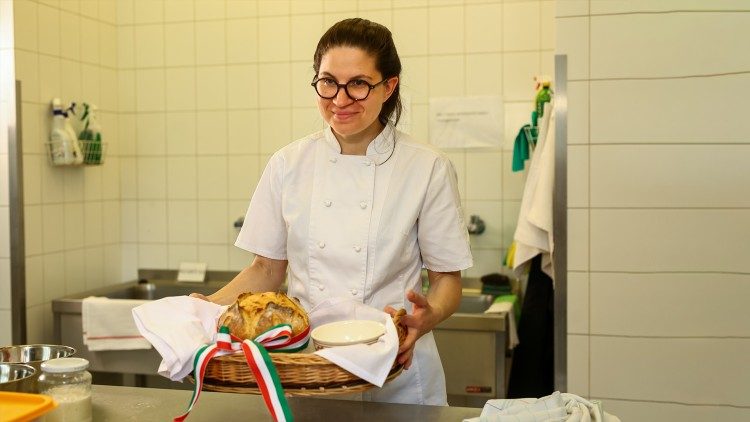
[200,296]
[421,321]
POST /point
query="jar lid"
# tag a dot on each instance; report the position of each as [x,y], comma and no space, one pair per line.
[62,365]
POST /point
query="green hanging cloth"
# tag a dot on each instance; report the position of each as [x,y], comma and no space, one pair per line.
[520,149]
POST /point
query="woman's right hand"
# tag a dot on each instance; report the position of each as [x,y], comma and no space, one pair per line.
[200,296]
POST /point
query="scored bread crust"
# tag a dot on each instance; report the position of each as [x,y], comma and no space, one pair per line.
[253,314]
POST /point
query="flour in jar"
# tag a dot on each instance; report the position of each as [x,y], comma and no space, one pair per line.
[73,404]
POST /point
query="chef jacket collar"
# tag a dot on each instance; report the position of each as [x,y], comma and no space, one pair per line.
[379,150]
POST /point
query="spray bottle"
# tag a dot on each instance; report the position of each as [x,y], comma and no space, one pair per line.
[63,147]
[91,135]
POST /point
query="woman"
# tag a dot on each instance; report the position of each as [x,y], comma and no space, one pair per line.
[356,210]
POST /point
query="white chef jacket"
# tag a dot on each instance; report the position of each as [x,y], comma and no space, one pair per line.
[362,227]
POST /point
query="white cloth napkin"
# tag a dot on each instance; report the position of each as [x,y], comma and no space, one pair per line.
[177,326]
[557,407]
[107,324]
[507,307]
[371,362]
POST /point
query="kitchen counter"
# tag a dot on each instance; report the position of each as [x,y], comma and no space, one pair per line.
[151,404]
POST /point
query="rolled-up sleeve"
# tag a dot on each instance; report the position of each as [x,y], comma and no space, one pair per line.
[441,232]
[264,230]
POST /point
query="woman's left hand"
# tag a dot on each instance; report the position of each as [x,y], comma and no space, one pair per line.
[420,322]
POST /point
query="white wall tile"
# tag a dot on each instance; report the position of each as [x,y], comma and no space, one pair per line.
[180,88]
[446,30]
[578,176]
[111,272]
[446,76]
[519,70]
[243,83]
[578,302]
[178,11]
[274,130]
[212,177]
[486,261]
[181,253]
[243,176]
[128,178]
[152,256]
[668,111]
[181,133]
[35,324]
[211,87]
[516,116]
[49,30]
[125,46]
[149,90]
[415,78]
[578,239]
[483,176]
[670,176]
[108,92]
[152,224]
[90,84]
[578,365]
[572,38]
[210,9]
[93,220]
[126,135]
[150,129]
[34,280]
[27,71]
[239,259]
[32,177]
[213,224]
[33,230]
[181,178]
[25,25]
[521,26]
[669,240]
[273,32]
[126,91]
[108,11]
[74,185]
[179,40]
[303,95]
[242,132]
[578,112]
[211,132]
[699,44]
[152,178]
[484,29]
[305,31]
[215,255]
[306,121]
[129,221]
[650,368]
[410,31]
[53,228]
[242,40]
[107,45]
[486,74]
[71,48]
[111,221]
[628,6]
[513,181]
[149,45]
[90,40]
[75,271]
[129,262]
[274,88]
[49,78]
[243,8]
[210,42]
[148,11]
[75,225]
[54,276]
[511,210]
[92,189]
[183,222]
[670,301]
[628,410]
[491,212]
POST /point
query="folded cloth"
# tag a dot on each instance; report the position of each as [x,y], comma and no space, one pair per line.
[177,326]
[371,362]
[107,324]
[506,304]
[495,279]
[557,407]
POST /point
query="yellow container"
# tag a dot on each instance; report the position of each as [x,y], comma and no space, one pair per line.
[22,407]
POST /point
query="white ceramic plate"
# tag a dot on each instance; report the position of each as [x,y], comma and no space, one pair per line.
[342,333]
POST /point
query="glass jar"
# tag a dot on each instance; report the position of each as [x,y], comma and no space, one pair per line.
[68,382]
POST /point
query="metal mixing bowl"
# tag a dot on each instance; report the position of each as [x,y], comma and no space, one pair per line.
[17,377]
[33,355]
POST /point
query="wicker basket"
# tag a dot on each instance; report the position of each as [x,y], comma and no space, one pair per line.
[301,374]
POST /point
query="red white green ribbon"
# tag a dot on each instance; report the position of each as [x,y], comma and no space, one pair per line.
[278,338]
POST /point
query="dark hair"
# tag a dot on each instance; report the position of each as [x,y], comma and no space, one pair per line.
[377,41]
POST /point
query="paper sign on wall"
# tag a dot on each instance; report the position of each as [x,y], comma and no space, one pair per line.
[466,122]
[192,272]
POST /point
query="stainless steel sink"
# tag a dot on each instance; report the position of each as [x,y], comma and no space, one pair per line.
[152,291]
[474,304]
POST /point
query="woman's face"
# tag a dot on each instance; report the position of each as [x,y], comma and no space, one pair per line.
[352,120]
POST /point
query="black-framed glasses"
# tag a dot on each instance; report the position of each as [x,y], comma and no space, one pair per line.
[356,89]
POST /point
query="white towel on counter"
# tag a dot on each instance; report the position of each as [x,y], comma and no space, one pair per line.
[534,234]
[371,362]
[557,407]
[108,324]
[178,326]
[507,308]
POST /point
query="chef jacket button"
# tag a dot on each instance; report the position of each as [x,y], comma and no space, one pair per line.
[368,163]
[327,203]
[354,292]
[332,159]
[321,244]
[357,248]
[363,204]
[321,287]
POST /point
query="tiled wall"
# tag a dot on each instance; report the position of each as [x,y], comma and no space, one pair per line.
[659,206]
[67,49]
[209,89]
[6,100]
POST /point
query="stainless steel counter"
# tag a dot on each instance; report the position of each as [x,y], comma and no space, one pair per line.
[150,404]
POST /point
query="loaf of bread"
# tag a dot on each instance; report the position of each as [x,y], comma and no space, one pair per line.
[253,314]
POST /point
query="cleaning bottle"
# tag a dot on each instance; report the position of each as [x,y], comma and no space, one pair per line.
[63,148]
[544,95]
[69,127]
[91,136]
